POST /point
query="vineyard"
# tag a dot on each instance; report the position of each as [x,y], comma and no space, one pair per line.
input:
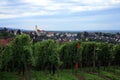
[23,59]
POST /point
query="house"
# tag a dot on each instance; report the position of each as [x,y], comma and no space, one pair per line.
[50,34]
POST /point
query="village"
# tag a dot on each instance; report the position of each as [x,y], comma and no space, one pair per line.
[6,35]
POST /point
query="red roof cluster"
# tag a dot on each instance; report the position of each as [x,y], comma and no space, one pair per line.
[4,42]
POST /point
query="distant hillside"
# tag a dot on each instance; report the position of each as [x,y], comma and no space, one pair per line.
[103,31]
[1,28]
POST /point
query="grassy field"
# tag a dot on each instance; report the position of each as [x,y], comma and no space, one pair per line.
[66,75]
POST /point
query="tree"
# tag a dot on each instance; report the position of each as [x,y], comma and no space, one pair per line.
[105,54]
[0,57]
[117,54]
[89,54]
[22,54]
[48,55]
[70,54]
[7,58]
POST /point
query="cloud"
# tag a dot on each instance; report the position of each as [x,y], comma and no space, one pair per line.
[87,5]
[97,2]
[38,2]
[23,8]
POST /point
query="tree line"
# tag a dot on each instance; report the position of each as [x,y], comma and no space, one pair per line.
[22,55]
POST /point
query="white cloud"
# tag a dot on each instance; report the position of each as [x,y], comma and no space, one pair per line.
[97,2]
[94,5]
[51,7]
[38,2]
[87,8]
[25,14]
[4,16]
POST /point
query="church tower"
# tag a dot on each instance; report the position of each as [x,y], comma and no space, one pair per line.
[37,31]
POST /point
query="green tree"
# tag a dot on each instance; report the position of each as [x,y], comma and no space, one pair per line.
[7,58]
[1,75]
[48,54]
[105,54]
[117,55]
[70,54]
[0,56]
[23,54]
[89,54]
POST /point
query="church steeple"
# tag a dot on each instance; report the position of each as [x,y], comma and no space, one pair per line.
[36,30]
[36,27]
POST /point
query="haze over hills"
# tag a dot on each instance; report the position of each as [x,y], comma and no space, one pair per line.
[74,31]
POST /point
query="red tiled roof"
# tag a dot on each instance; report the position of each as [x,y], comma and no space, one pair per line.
[4,42]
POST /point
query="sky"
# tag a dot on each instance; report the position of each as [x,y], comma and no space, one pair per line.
[60,15]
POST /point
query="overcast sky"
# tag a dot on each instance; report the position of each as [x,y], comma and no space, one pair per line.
[61,14]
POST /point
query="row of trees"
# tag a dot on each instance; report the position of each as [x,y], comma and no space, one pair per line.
[22,55]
